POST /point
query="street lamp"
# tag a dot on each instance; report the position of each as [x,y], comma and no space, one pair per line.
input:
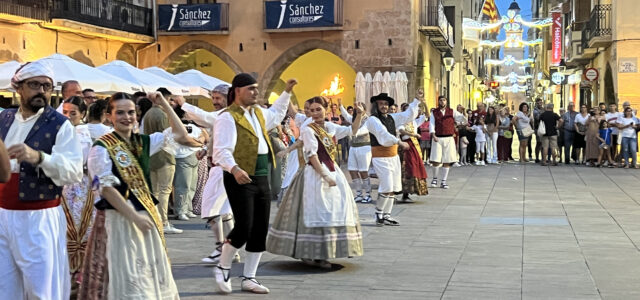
[470,79]
[448,60]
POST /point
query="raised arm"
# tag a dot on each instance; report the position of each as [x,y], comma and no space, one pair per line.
[408,115]
[278,110]
[5,166]
[180,133]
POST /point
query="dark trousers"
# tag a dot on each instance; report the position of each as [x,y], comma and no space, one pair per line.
[471,148]
[250,204]
[568,145]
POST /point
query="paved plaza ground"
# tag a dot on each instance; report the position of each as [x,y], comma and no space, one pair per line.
[501,232]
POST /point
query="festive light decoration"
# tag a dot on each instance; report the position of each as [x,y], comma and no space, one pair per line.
[512,78]
[509,60]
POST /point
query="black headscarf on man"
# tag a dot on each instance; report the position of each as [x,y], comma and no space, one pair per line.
[240,80]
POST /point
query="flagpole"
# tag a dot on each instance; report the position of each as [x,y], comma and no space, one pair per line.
[481,9]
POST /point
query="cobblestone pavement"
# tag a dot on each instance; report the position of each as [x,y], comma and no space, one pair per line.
[501,232]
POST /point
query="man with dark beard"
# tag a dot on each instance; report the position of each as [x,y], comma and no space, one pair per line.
[45,155]
[443,146]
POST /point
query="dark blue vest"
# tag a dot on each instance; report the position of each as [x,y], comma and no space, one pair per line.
[34,184]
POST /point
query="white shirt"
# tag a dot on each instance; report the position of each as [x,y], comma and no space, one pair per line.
[310,142]
[98,130]
[64,164]
[479,129]
[99,163]
[226,135]
[178,150]
[612,119]
[375,127]
[416,124]
[456,116]
[84,138]
[629,132]
[200,116]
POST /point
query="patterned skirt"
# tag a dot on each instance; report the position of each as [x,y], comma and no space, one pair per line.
[203,175]
[290,237]
[414,174]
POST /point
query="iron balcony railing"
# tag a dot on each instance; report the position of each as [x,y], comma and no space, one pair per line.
[599,22]
[432,15]
[114,14]
[33,9]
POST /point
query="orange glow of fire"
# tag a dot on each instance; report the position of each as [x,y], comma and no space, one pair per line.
[335,88]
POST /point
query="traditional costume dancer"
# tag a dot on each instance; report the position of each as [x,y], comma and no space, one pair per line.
[215,204]
[382,128]
[126,257]
[359,160]
[443,146]
[318,218]
[45,155]
[414,174]
[242,147]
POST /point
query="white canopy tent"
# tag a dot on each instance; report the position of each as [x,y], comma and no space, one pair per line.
[197,78]
[194,90]
[66,68]
[395,84]
[6,72]
[149,81]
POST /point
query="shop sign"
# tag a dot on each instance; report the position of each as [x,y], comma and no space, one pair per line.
[285,14]
[196,17]
[556,38]
[558,77]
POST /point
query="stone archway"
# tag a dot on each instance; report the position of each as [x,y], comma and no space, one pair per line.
[191,46]
[271,76]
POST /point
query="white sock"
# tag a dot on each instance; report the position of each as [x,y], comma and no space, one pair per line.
[216,227]
[227,224]
[226,257]
[357,184]
[436,170]
[251,263]
[445,173]
[366,185]
[388,205]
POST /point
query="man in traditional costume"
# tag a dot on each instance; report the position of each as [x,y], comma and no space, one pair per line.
[242,147]
[383,127]
[443,147]
[126,256]
[359,160]
[45,155]
[215,205]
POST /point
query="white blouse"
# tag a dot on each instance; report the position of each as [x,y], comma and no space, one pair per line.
[310,143]
[100,163]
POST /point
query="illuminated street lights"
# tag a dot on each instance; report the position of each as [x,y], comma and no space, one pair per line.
[470,79]
[448,60]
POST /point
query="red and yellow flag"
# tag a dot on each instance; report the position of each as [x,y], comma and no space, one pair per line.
[490,12]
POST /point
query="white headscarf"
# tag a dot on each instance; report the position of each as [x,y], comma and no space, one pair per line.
[30,70]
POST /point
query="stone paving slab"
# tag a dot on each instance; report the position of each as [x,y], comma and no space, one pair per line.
[506,231]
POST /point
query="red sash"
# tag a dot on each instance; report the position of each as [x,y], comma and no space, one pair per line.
[9,197]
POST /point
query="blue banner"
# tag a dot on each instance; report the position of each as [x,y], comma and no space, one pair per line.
[299,13]
[197,17]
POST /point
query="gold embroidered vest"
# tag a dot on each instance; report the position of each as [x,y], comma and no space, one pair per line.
[246,150]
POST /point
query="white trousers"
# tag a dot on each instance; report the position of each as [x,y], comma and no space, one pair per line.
[389,172]
[359,159]
[33,254]
[214,196]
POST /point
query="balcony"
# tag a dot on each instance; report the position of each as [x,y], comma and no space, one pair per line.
[434,24]
[111,14]
[22,11]
[577,54]
[598,31]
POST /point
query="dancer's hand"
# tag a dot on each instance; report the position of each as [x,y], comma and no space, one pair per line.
[290,84]
[240,175]
[143,222]
[329,180]
[22,152]
[403,145]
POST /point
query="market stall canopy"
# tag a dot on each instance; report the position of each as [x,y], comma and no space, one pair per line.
[6,72]
[66,68]
[149,81]
[197,78]
[193,89]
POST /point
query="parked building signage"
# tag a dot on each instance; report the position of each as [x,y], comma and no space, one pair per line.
[299,13]
[556,38]
[628,65]
[197,17]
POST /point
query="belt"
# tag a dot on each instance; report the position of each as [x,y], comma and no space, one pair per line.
[354,145]
[381,151]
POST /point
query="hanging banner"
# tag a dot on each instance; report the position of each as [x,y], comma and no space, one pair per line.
[299,13]
[556,38]
[197,17]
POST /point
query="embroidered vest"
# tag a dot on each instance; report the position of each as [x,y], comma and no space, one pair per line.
[246,150]
[445,124]
[34,184]
[389,123]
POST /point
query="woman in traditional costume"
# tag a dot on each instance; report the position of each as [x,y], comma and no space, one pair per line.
[78,204]
[318,218]
[414,174]
[126,257]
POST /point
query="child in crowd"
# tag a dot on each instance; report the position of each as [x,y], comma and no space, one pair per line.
[480,128]
[464,143]
[605,145]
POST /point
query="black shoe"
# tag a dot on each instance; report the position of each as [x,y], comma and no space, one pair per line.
[389,221]
[379,218]
[407,200]
[537,161]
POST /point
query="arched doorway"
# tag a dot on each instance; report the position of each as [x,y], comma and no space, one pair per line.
[314,63]
[609,93]
[204,57]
